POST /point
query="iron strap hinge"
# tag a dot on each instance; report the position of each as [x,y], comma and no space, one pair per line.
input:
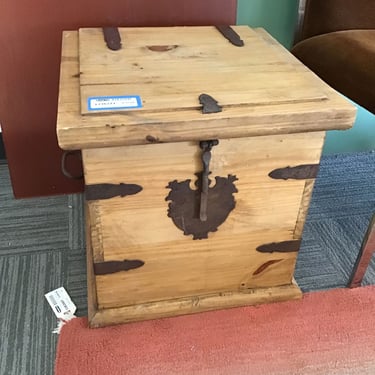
[231,35]
[112,38]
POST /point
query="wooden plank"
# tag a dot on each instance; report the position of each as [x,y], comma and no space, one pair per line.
[171,47]
[137,226]
[201,61]
[96,241]
[250,159]
[304,206]
[92,301]
[172,270]
[142,71]
[100,65]
[201,50]
[76,131]
[247,89]
[195,304]
[135,38]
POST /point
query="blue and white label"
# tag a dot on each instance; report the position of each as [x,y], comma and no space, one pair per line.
[100,103]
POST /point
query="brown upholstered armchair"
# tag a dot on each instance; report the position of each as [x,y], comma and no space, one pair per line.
[337,42]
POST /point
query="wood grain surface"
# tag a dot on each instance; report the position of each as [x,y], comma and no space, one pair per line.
[313,106]
[274,115]
[137,226]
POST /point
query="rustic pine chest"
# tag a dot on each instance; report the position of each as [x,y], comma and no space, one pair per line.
[200,148]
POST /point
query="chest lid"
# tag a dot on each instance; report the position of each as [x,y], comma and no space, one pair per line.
[148,84]
[167,69]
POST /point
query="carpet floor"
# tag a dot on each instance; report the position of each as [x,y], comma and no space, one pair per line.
[42,248]
[329,332]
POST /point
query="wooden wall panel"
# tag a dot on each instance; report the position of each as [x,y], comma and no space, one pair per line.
[30,40]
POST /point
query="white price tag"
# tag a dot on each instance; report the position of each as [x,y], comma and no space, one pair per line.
[98,103]
[61,303]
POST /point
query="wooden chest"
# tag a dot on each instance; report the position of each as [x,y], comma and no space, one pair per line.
[200,148]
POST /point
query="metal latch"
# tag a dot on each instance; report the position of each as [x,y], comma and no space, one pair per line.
[206,146]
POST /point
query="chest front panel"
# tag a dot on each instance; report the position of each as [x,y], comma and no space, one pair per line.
[137,226]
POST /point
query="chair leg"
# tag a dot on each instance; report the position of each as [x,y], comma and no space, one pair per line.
[364,256]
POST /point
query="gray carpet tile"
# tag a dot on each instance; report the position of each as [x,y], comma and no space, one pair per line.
[345,187]
[42,247]
[309,268]
[342,205]
[29,225]
[75,271]
[76,223]
[75,281]
[27,346]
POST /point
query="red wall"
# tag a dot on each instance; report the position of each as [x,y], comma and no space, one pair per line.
[30,40]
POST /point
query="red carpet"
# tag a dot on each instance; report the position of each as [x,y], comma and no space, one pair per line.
[330,332]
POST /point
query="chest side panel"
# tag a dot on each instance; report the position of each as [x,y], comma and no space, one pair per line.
[137,226]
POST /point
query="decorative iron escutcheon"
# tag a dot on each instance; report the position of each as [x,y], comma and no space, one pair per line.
[200,211]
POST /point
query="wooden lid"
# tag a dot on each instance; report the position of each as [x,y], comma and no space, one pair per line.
[169,68]
[154,81]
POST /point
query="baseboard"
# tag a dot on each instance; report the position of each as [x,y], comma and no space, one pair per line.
[187,305]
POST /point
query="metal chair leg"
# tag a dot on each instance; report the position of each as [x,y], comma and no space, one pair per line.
[364,256]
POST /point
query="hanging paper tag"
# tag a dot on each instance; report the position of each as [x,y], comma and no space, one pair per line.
[61,303]
[100,103]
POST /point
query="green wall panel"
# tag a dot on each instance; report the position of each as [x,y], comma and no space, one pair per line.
[361,137]
[278,17]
